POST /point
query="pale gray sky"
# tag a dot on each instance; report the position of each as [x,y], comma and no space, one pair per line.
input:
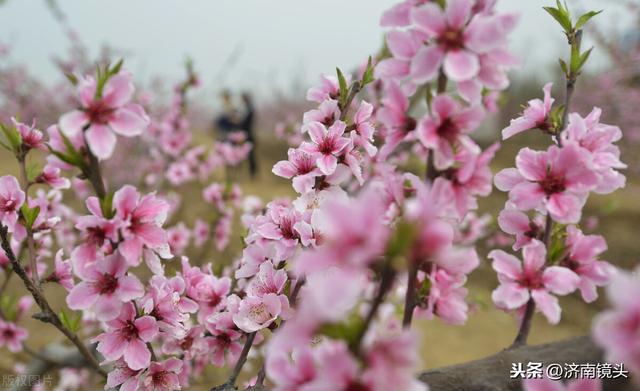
[281,41]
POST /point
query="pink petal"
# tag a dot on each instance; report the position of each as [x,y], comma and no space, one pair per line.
[513,222]
[507,179]
[458,12]
[107,307]
[534,257]
[510,296]
[506,264]
[101,140]
[82,296]
[461,65]
[532,164]
[137,355]
[147,328]
[547,304]
[327,164]
[111,345]
[317,131]
[73,122]
[118,90]
[402,44]
[516,126]
[284,169]
[526,195]
[565,208]
[425,63]
[560,280]
[127,123]
[429,18]
[129,288]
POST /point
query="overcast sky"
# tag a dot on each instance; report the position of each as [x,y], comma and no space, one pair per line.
[278,42]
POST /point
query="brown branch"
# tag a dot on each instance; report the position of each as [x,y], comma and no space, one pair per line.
[493,373]
[47,315]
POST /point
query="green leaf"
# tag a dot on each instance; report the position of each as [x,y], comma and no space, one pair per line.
[563,66]
[347,331]
[575,59]
[30,214]
[582,20]
[367,77]
[33,171]
[116,68]
[584,57]
[13,137]
[71,321]
[561,17]
[401,240]
[342,82]
[72,78]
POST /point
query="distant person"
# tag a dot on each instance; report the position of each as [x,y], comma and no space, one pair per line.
[227,122]
[247,126]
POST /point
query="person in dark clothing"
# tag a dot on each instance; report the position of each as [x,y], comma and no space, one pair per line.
[247,126]
[227,121]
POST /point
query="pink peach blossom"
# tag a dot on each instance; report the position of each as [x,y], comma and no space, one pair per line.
[326,145]
[558,179]
[100,117]
[126,337]
[12,336]
[105,287]
[446,128]
[520,282]
[11,199]
[536,115]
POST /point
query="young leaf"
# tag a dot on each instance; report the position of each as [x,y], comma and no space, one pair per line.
[584,57]
[367,77]
[30,215]
[72,78]
[561,17]
[582,20]
[13,137]
[33,171]
[563,66]
[342,82]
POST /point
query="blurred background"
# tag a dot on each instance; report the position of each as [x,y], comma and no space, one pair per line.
[275,51]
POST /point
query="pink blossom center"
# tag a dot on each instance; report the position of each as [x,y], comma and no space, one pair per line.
[409,125]
[106,284]
[356,386]
[305,164]
[160,378]
[130,331]
[451,40]
[328,145]
[570,263]
[96,235]
[186,343]
[7,204]
[532,280]
[552,184]
[98,113]
[448,130]
[8,334]
[286,228]
[533,231]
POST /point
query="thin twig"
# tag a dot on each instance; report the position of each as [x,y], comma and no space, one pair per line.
[47,315]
